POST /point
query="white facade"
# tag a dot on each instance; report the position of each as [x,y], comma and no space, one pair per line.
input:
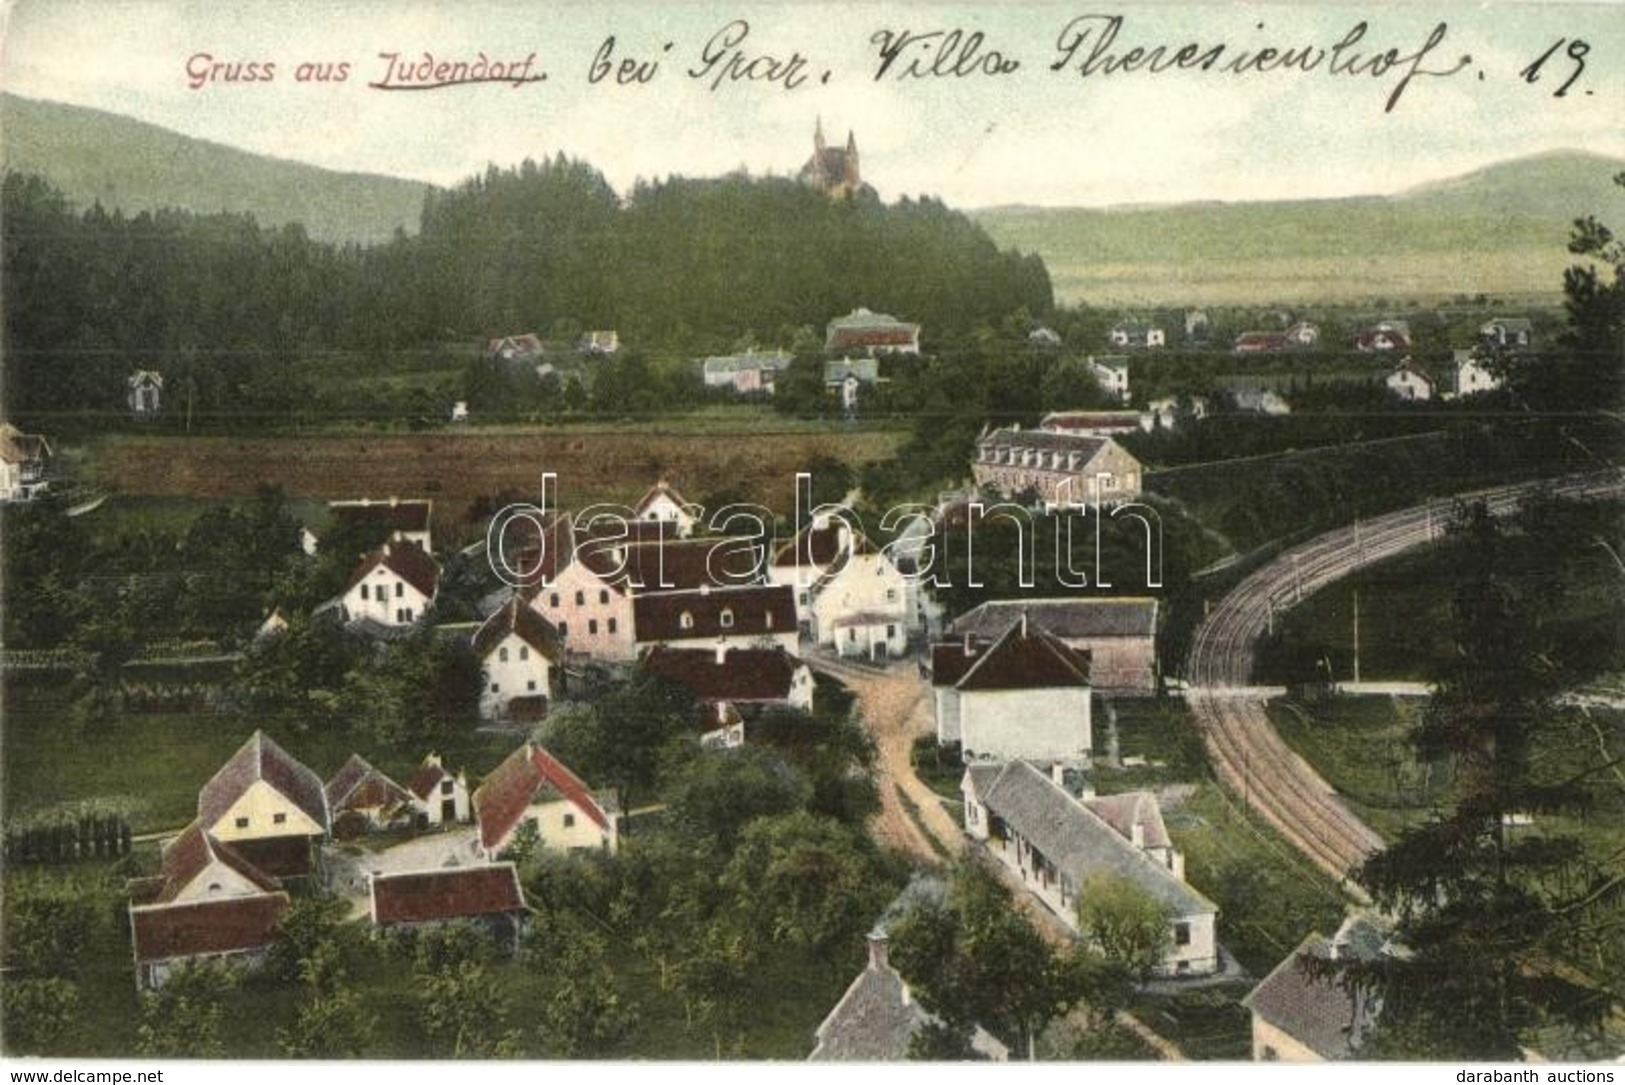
[1409,384]
[663,508]
[1035,724]
[1472,377]
[863,608]
[513,668]
[384,596]
[593,618]
[263,811]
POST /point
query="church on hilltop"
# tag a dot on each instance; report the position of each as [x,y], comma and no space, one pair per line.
[832,170]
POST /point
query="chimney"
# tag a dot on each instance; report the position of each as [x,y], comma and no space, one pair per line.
[878,961]
[722,651]
[1136,833]
[970,644]
[1057,773]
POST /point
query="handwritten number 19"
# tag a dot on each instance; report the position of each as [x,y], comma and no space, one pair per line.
[1576,52]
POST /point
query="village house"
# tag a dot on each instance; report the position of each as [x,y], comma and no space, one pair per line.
[1094,423]
[442,798]
[833,170]
[662,504]
[24,460]
[1025,694]
[269,807]
[1044,338]
[1302,335]
[392,519]
[588,604]
[519,654]
[759,615]
[863,331]
[747,373]
[1507,333]
[489,897]
[1165,412]
[1197,325]
[360,799]
[1410,383]
[532,787]
[1299,1017]
[1063,469]
[1057,845]
[1111,374]
[1133,335]
[849,377]
[236,929]
[728,678]
[1469,375]
[600,343]
[806,558]
[1383,337]
[520,350]
[393,587]
[145,394]
[196,867]
[1119,635]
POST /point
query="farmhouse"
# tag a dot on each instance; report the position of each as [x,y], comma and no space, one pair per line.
[145,394]
[391,520]
[1298,1017]
[1024,695]
[1060,467]
[1383,337]
[746,373]
[1094,423]
[725,679]
[487,896]
[1507,333]
[361,799]
[753,616]
[662,504]
[524,349]
[535,788]
[1118,635]
[1469,376]
[1409,383]
[848,377]
[393,587]
[1057,845]
[519,654]
[238,929]
[269,807]
[24,460]
[442,798]
[871,333]
[587,603]
[196,867]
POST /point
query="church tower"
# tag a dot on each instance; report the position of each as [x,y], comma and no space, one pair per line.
[832,170]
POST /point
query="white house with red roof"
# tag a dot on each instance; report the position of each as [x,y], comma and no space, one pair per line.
[394,586]
[1025,695]
[442,796]
[661,503]
[487,896]
[753,616]
[871,333]
[519,654]
[268,806]
[196,867]
[533,787]
[849,595]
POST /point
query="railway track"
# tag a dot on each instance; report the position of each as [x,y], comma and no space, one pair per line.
[1245,749]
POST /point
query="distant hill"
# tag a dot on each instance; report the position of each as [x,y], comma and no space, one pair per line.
[128,164]
[1502,230]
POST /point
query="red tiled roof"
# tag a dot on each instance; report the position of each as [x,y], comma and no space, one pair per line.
[502,798]
[428,776]
[458,893]
[1122,812]
[169,931]
[1025,657]
[388,515]
[757,610]
[517,617]
[744,674]
[670,564]
[358,785]
[260,758]
[406,560]
[190,854]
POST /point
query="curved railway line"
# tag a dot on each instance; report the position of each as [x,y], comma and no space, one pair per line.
[1246,751]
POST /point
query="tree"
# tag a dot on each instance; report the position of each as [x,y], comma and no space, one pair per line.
[311,927]
[717,795]
[37,1012]
[1128,924]
[49,924]
[1498,922]
[806,881]
[582,1012]
[463,1009]
[182,1018]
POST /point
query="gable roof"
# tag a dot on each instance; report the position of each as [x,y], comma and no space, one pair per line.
[260,758]
[1130,809]
[521,620]
[360,785]
[391,514]
[1078,841]
[1025,657]
[875,1019]
[1318,1012]
[167,932]
[813,545]
[456,893]
[755,610]
[659,489]
[742,674]
[428,776]
[526,774]
[192,852]
[1067,618]
[666,564]
[406,560]
[146,376]
[19,447]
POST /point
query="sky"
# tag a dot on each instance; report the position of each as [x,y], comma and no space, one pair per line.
[1032,136]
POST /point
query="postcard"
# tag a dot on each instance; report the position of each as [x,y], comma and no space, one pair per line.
[833,531]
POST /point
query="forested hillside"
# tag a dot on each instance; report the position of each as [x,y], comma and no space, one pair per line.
[680,267]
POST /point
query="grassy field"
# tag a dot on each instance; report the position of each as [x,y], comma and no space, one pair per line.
[612,462]
[1359,745]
